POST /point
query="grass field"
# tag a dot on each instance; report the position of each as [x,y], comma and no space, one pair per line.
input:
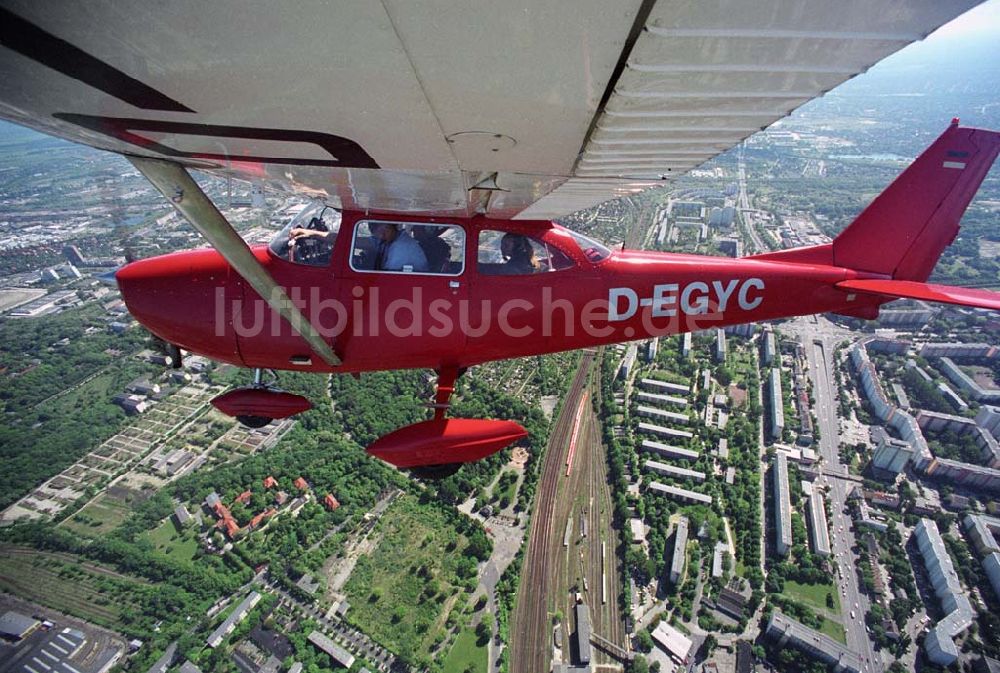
[98,518]
[834,630]
[399,593]
[14,297]
[86,590]
[169,541]
[814,596]
[466,655]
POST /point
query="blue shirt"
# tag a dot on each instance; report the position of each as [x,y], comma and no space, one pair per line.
[404,251]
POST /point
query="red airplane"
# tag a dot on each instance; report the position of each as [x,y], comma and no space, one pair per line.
[432,245]
[477,303]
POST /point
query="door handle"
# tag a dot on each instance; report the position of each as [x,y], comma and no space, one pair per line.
[454,284]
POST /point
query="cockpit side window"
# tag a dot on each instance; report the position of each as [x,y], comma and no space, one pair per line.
[505,253]
[309,237]
[408,247]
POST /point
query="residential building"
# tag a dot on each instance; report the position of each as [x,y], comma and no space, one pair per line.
[339,655]
[787,631]
[988,418]
[892,454]
[652,347]
[776,404]
[668,451]
[660,400]
[769,349]
[782,505]
[673,471]
[957,350]
[679,557]
[671,433]
[681,494]
[817,524]
[940,643]
[968,384]
[984,533]
[627,363]
[657,386]
[662,415]
[237,616]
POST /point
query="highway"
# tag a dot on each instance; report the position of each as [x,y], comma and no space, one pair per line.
[820,356]
[743,208]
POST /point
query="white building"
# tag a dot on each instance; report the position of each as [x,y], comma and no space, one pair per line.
[681,494]
[777,404]
[669,433]
[668,451]
[818,527]
[673,471]
[679,556]
[782,506]
[657,386]
[940,642]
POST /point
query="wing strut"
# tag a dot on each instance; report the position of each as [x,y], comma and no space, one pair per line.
[177,185]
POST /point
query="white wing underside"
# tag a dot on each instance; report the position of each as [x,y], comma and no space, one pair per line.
[402,106]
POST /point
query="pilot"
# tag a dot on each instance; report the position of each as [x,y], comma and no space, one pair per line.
[519,255]
[315,243]
[396,250]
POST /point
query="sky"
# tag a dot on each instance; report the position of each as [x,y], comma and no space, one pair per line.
[982,20]
[970,41]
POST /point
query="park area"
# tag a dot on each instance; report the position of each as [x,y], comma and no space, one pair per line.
[814,596]
[410,593]
[178,544]
[468,654]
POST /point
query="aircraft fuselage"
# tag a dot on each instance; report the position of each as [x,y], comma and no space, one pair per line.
[398,320]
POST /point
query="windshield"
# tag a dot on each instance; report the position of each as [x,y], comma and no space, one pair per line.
[309,237]
[592,250]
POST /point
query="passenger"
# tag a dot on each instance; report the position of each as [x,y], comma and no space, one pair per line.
[396,250]
[437,251]
[519,255]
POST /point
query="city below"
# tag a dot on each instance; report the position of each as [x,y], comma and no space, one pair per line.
[819,493]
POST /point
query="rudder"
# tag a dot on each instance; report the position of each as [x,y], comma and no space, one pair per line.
[903,232]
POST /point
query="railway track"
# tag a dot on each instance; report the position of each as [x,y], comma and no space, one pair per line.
[604,571]
[531,633]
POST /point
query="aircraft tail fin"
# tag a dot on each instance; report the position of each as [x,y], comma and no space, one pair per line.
[902,233]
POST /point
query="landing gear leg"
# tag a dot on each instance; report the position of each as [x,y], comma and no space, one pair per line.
[440,405]
[258,379]
[445,387]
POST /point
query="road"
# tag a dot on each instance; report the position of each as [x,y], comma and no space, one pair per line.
[842,540]
[530,632]
[743,209]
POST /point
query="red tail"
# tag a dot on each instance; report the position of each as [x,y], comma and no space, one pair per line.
[903,232]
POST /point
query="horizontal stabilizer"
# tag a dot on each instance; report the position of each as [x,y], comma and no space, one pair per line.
[908,289]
